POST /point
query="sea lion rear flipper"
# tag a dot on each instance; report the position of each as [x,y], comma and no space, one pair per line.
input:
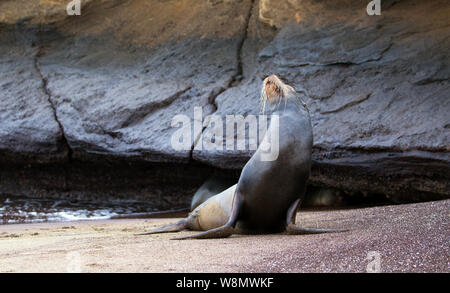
[225,230]
[292,229]
[174,227]
[221,232]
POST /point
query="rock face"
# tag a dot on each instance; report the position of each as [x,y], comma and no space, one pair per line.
[28,131]
[105,86]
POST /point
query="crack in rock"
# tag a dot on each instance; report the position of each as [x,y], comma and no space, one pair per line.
[144,111]
[234,81]
[349,104]
[37,66]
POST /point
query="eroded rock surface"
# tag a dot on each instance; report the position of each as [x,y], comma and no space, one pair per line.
[105,85]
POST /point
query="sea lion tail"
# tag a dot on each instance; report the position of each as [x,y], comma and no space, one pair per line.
[294,230]
[174,227]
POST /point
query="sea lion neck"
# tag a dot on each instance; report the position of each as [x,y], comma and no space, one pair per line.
[286,105]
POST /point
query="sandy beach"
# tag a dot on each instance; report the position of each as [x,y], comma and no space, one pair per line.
[401,238]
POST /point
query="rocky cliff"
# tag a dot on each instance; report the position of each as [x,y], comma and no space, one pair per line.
[86,102]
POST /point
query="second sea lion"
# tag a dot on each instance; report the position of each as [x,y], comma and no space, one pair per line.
[214,185]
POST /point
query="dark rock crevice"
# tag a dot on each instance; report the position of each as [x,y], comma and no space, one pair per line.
[240,72]
[350,104]
[147,109]
[234,81]
[238,76]
[63,142]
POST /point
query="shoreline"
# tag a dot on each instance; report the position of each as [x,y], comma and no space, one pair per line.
[407,238]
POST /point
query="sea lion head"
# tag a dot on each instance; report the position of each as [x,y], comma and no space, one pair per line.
[274,91]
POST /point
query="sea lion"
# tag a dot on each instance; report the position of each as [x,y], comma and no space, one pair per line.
[269,192]
[323,197]
[212,213]
[213,186]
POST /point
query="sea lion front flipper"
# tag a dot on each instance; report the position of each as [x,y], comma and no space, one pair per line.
[225,230]
[292,212]
[292,229]
[174,227]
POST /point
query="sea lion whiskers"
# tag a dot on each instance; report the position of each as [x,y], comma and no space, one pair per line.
[274,91]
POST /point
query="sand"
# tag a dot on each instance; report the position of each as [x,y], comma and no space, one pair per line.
[400,238]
